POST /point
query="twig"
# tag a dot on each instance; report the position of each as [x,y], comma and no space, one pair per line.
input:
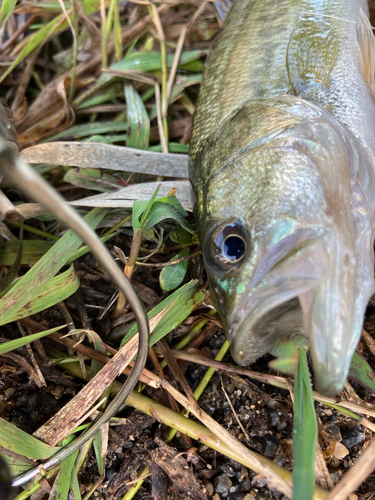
[172,74]
[71,326]
[274,380]
[94,487]
[16,34]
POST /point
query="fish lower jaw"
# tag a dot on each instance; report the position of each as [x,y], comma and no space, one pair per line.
[253,335]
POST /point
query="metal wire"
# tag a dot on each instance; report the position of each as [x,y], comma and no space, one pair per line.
[21,175]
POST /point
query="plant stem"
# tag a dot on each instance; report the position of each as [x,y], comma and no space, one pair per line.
[129,268]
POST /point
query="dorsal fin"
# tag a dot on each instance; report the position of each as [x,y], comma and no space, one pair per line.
[366,42]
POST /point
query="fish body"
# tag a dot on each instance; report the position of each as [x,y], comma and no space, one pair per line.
[283,172]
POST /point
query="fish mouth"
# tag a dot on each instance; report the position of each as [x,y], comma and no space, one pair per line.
[292,297]
[260,329]
[269,309]
[310,292]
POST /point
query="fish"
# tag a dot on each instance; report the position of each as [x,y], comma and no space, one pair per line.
[283,177]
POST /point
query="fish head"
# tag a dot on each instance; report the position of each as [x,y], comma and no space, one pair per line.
[278,241]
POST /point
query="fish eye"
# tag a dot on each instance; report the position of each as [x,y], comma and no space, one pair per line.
[229,245]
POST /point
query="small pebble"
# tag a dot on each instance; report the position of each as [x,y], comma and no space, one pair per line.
[335,476]
[270,445]
[245,485]
[353,436]
[227,469]
[236,496]
[222,484]
[340,451]
[208,487]
[281,426]
[332,429]
[275,419]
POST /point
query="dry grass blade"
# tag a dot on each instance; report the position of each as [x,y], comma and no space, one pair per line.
[63,422]
[97,155]
[125,197]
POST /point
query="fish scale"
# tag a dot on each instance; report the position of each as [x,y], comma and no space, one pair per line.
[283,173]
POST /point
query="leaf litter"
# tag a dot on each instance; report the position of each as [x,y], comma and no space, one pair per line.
[127,74]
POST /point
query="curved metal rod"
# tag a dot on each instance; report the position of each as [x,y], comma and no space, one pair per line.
[20,174]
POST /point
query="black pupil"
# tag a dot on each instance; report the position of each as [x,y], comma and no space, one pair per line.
[233,248]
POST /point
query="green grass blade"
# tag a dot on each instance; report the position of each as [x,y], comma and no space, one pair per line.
[57,289]
[150,61]
[184,301]
[305,432]
[74,486]
[7,7]
[6,282]
[33,250]
[138,120]
[91,178]
[17,441]
[17,464]
[89,129]
[37,280]
[65,476]
[85,249]
[17,343]
[34,41]
[100,459]
[173,147]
